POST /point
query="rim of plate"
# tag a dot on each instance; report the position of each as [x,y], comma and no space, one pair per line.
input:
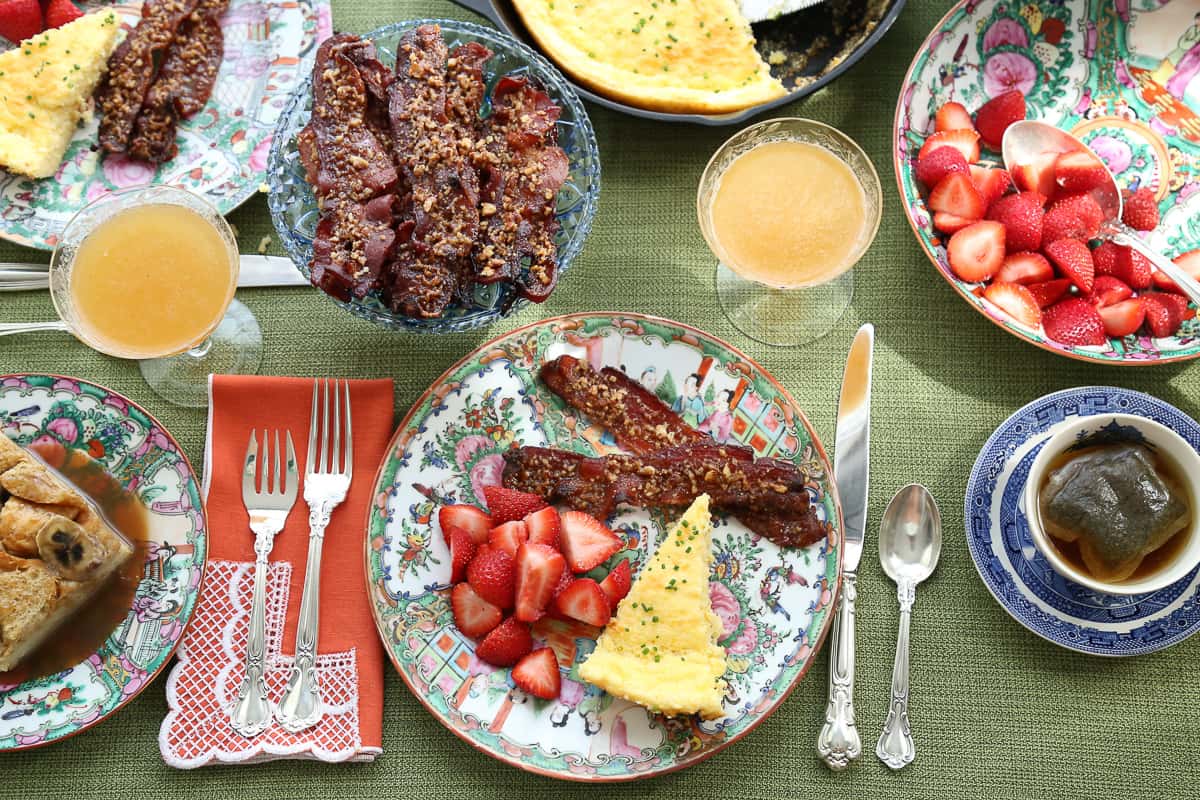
[629,777]
[972,478]
[1046,345]
[203,565]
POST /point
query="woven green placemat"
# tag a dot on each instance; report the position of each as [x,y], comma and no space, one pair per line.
[996,711]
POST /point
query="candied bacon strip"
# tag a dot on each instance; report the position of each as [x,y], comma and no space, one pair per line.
[640,421]
[132,68]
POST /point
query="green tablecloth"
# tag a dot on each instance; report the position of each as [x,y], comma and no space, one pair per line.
[996,711]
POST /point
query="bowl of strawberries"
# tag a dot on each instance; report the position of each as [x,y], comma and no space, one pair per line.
[1023,244]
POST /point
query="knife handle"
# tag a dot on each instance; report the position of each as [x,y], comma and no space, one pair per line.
[839,744]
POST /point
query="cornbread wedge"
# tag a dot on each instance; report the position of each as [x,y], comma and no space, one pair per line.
[681,56]
[46,85]
[660,650]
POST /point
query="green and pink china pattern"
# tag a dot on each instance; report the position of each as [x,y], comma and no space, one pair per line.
[1123,75]
[222,149]
[138,452]
[774,603]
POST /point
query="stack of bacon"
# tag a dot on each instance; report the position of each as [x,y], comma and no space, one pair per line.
[669,465]
[163,71]
[420,198]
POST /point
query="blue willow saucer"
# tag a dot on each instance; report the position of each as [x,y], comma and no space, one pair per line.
[1023,582]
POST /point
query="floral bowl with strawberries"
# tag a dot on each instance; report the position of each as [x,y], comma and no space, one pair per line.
[1022,246]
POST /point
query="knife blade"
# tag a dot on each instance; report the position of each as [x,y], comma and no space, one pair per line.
[838,743]
[256,271]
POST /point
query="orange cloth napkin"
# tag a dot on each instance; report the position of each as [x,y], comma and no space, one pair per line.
[350,656]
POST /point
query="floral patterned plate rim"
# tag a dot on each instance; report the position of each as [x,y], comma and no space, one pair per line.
[1022,581]
[222,149]
[1125,77]
[775,605]
[136,449]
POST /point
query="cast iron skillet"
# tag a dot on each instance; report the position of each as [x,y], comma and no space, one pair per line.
[818,44]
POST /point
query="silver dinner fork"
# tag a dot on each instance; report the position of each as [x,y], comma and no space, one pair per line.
[326,481]
[268,509]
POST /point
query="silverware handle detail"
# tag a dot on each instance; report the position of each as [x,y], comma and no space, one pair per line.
[896,747]
[838,743]
[300,707]
[252,712]
[10,328]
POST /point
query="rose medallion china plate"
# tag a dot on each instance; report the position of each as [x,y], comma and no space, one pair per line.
[222,149]
[1123,76]
[774,603]
[57,415]
[1022,580]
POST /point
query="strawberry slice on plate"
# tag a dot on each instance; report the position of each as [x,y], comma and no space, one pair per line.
[586,543]
[1180,302]
[539,567]
[508,643]
[949,223]
[1140,211]
[508,537]
[990,183]
[976,253]
[1108,291]
[1124,318]
[1133,268]
[1016,301]
[965,142]
[507,505]
[938,164]
[492,573]
[1104,256]
[1074,322]
[537,674]
[1021,215]
[1163,317]
[1190,262]
[1050,292]
[467,518]
[993,117]
[1074,261]
[462,550]
[955,194]
[1085,207]
[473,615]
[953,116]
[1036,175]
[543,527]
[20,19]
[1064,222]
[1025,268]
[1079,171]
[617,584]
[585,601]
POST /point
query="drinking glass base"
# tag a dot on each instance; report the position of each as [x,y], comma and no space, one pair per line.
[783,317]
[234,348]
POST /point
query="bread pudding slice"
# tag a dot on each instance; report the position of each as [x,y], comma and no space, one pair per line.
[56,552]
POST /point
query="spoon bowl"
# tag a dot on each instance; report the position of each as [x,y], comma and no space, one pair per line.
[910,535]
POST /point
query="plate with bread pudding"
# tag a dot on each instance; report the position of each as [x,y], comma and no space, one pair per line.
[179,92]
[603,547]
[103,544]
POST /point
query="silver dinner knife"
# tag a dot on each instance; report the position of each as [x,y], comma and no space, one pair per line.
[838,743]
[257,271]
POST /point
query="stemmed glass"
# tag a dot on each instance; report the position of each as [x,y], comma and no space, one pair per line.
[227,341]
[797,311]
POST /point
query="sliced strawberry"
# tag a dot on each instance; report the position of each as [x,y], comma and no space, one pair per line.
[586,543]
[1037,175]
[955,194]
[20,19]
[1085,207]
[976,253]
[1074,322]
[585,601]
[1021,215]
[1074,260]
[462,550]
[539,568]
[617,584]
[543,527]
[1108,291]
[1124,318]
[1079,171]
[508,537]
[1105,258]
[1025,268]
[949,223]
[473,615]
[953,117]
[990,183]
[1141,210]
[993,117]
[1162,316]
[965,142]
[1190,262]
[537,674]
[506,505]
[1016,301]
[939,163]
[468,518]
[492,573]
[508,643]
[1050,292]
[1180,303]
[1065,223]
[1133,268]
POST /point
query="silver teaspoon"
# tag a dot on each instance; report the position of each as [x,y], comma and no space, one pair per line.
[910,539]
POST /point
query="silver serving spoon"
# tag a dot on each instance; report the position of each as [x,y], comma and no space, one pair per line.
[910,539]
[1025,140]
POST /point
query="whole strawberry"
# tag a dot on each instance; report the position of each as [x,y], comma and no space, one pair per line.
[1141,210]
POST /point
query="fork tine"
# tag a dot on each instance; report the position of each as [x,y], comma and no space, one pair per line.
[309,464]
[277,478]
[349,435]
[264,478]
[251,466]
[323,462]
[293,474]
[335,464]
